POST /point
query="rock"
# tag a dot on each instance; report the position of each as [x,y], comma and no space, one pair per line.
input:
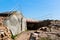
[15,22]
[44,29]
[5,33]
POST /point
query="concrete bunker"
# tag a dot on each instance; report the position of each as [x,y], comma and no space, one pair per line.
[34,25]
[14,20]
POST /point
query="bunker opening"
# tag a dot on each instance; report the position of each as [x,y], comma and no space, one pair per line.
[36,25]
[32,25]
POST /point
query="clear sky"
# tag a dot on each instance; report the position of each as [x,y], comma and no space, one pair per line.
[37,9]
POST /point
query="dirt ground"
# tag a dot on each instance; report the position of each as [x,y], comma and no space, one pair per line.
[23,36]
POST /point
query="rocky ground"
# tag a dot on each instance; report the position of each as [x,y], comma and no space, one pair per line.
[43,33]
[23,36]
[49,32]
[5,33]
[40,34]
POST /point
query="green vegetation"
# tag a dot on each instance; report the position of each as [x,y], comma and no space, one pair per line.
[13,36]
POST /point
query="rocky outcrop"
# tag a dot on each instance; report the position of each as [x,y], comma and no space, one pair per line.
[15,22]
[5,33]
[41,35]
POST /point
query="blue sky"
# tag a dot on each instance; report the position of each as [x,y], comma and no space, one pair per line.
[36,9]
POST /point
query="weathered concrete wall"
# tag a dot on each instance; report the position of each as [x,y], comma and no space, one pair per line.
[16,23]
[24,24]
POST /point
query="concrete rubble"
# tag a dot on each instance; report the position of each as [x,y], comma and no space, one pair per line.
[47,32]
[43,33]
[5,33]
